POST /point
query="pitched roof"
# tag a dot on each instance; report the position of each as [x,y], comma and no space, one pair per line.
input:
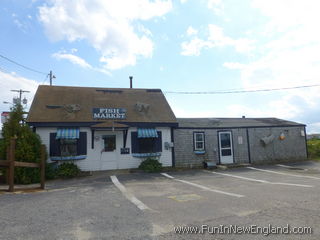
[75,104]
[234,122]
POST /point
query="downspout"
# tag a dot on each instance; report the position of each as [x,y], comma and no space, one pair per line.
[92,138]
[248,143]
[172,149]
[306,142]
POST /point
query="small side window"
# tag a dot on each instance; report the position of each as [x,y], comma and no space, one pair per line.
[109,143]
[198,141]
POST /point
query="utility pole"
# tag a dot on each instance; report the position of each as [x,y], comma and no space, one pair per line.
[20,93]
[51,77]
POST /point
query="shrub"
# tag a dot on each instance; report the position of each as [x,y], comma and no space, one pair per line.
[314,148]
[151,165]
[68,170]
[51,171]
[28,145]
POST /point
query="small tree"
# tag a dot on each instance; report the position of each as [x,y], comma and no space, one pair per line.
[28,145]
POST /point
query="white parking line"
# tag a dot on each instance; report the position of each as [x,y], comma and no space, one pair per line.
[282,173]
[260,181]
[290,167]
[203,187]
[128,195]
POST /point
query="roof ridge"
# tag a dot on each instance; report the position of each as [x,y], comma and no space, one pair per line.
[111,88]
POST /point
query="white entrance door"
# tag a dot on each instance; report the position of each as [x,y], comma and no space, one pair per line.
[110,150]
[225,144]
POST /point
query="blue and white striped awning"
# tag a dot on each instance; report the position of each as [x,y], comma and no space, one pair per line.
[147,133]
[68,133]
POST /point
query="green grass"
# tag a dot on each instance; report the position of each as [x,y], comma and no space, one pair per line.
[314,149]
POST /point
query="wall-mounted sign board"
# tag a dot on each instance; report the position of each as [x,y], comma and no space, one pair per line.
[125,151]
[109,113]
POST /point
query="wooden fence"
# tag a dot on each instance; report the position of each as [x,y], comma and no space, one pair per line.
[10,164]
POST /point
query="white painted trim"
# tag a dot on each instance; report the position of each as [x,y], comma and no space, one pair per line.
[202,187]
[128,195]
[202,141]
[226,158]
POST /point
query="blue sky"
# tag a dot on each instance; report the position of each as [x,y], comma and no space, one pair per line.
[183,45]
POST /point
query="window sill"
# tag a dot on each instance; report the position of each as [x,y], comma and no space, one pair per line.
[57,158]
[199,152]
[141,155]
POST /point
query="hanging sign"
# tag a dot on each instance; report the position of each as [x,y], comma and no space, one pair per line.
[109,113]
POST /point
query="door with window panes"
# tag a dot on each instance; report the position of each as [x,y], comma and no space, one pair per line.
[109,156]
[225,147]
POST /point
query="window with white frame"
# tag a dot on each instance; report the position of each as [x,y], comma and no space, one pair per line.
[198,138]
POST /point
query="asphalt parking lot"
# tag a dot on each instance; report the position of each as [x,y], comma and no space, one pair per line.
[154,206]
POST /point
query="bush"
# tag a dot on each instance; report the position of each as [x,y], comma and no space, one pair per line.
[314,148]
[51,171]
[150,165]
[68,170]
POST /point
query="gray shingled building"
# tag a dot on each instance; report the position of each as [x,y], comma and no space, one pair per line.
[237,140]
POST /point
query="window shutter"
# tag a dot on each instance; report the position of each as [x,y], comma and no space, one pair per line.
[82,144]
[134,142]
[158,147]
[54,145]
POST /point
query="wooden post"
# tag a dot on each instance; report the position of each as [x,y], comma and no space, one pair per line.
[11,163]
[42,166]
[7,168]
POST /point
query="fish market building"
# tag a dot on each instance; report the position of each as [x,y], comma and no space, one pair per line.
[103,128]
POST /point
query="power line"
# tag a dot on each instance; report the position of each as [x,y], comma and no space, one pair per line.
[244,91]
[45,79]
[23,66]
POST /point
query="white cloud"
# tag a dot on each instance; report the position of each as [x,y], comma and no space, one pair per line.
[286,14]
[194,47]
[314,127]
[76,60]
[216,6]
[11,81]
[286,56]
[72,58]
[216,38]
[109,26]
[22,25]
[233,65]
[191,31]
